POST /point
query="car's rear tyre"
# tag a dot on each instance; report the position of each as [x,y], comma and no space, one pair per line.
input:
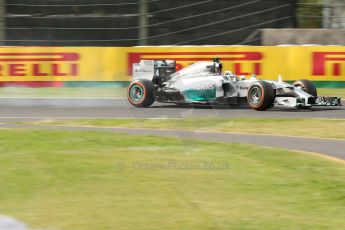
[261,95]
[306,86]
[140,93]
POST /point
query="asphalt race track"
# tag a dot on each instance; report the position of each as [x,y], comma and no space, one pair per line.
[30,109]
[37,108]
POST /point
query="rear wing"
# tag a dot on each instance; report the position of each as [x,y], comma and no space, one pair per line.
[150,69]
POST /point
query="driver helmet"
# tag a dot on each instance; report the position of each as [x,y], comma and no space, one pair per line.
[216,59]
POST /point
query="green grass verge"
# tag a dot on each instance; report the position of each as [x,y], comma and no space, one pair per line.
[102,92]
[93,180]
[326,128]
[331,92]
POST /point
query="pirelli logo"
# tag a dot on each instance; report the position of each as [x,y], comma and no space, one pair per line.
[241,63]
[39,64]
[328,63]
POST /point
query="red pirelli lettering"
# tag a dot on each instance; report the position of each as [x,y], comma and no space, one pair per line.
[320,59]
[36,71]
[39,64]
[23,57]
[16,70]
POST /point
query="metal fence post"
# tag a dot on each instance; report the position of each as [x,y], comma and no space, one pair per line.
[326,11]
[2,22]
[143,22]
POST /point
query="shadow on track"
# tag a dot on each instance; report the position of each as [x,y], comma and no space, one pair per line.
[245,107]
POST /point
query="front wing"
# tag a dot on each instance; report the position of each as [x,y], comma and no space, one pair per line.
[302,102]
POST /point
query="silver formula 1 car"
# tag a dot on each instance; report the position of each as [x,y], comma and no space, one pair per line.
[205,83]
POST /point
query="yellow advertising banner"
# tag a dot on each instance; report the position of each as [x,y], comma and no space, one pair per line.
[62,64]
[317,63]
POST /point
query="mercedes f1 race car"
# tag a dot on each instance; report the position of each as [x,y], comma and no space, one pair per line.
[205,83]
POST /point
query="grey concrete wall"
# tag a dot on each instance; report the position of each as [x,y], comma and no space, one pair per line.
[272,37]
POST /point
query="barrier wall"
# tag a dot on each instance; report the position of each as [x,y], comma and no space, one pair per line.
[324,64]
[274,37]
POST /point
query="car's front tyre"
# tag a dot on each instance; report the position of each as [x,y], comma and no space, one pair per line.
[307,86]
[261,95]
[140,93]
